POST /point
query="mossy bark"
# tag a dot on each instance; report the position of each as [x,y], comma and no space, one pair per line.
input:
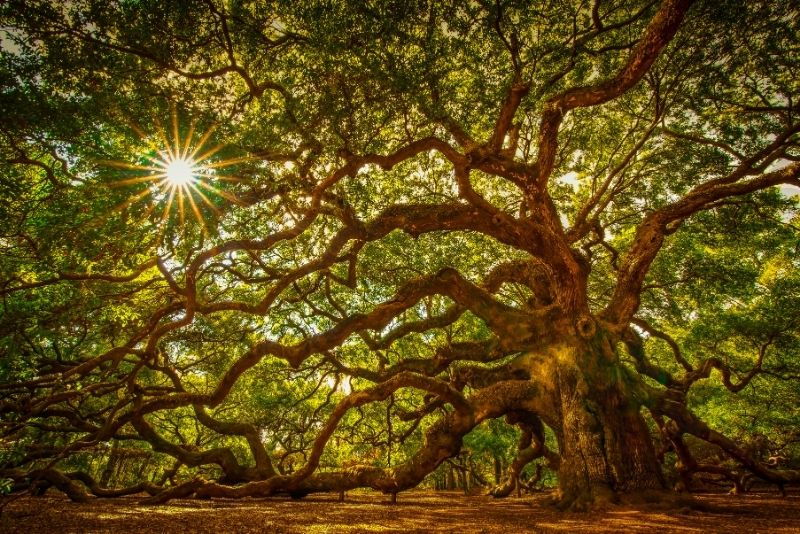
[607,453]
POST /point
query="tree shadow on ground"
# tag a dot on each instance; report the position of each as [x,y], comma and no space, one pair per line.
[415,511]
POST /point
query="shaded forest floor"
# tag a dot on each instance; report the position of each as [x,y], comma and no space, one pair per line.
[416,511]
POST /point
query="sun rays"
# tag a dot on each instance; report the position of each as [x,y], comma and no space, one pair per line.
[182,176]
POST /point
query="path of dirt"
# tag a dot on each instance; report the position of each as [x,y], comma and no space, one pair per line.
[416,511]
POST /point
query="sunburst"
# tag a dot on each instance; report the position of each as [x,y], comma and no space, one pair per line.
[178,171]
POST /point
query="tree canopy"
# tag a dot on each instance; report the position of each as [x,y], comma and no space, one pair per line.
[253,248]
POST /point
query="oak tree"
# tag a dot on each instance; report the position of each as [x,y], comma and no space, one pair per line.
[294,247]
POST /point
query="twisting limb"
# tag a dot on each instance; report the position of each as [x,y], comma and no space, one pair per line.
[653,230]
[704,370]
[658,34]
[688,422]
[676,350]
[531,446]
[443,439]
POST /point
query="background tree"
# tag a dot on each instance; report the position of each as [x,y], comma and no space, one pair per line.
[254,249]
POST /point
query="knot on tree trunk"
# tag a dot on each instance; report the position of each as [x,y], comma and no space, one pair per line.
[586,326]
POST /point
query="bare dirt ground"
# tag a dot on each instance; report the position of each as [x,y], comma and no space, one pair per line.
[415,511]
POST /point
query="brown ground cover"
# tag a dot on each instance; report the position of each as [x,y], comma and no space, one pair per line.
[416,511]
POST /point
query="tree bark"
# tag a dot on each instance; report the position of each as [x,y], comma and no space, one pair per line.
[606,450]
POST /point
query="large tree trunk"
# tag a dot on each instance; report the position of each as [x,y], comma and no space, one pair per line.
[606,449]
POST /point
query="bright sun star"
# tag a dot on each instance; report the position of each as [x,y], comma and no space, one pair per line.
[181,175]
[180,172]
